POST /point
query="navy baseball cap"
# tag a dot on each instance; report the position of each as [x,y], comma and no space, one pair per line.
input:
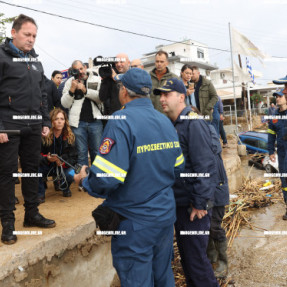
[136,80]
[172,84]
[279,93]
[281,81]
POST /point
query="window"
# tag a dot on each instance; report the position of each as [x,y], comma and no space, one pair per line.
[200,53]
[262,145]
[252,142]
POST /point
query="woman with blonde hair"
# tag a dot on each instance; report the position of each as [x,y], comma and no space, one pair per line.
[60,141]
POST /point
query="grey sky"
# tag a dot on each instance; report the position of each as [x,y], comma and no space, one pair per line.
[205,21]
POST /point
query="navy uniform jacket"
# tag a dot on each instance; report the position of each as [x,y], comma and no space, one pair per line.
[221,194]
[277,129]
[200,147]
[142,154]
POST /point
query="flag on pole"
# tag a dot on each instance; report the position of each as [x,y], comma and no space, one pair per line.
[242,45]
[249,69]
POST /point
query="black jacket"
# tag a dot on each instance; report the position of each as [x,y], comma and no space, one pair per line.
[22,88]
[52,94]
[109,95]
[66,151]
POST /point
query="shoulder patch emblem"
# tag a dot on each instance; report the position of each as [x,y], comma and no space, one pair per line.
[193,115]
[106,146]
[275,121]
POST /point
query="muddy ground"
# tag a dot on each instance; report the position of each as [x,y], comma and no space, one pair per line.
[257,259]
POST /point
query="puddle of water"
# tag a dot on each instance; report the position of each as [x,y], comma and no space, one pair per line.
[254,252]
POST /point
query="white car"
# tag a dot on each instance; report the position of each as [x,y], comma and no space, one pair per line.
[269,165]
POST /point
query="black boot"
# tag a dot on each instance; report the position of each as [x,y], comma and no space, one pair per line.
[56,183]
[67,193]
[221,269]
[7,236]
[285,215]
[212,253]
[39,221]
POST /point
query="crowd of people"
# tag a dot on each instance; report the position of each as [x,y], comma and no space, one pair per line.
[150,141]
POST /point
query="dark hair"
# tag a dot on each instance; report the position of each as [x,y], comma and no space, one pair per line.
[22,19]
[76,62]
[196,110]
[186,66]
[56,72]
[161,52]
[194,68]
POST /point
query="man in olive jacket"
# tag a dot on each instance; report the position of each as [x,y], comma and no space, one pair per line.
[159,75]
[205,93]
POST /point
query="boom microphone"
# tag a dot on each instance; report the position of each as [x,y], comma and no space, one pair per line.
[23,132]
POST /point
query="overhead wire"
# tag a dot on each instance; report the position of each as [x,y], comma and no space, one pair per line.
[171,24]
[117,29]
[110,28]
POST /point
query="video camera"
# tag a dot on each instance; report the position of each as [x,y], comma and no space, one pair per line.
[75,73]
[106,66]
[78,93]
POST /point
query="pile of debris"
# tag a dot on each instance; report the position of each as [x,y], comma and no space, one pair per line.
[252,194]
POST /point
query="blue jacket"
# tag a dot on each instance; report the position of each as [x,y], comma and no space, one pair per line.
[201,149]
[221,194]
[277,129]
[216,112]
[143,155]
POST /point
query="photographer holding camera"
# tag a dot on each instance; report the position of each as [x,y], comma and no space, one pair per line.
[109,90]
[81,96]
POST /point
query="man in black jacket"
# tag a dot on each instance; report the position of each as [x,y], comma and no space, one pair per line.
[52,94]
[109,92]
[23,106]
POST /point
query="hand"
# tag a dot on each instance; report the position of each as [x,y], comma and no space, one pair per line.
[189,91]
[58,162]
[222,117]
[45,131]
[82,174]
[113,74]
[51,158]
[3,138]
[74,86]
[82,87]
[272,157]
[200,213]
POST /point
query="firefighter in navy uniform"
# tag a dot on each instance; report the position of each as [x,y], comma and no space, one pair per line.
[193,194]
[277,130]
[142,156]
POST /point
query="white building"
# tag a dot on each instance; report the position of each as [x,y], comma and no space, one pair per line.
[223,82]
[185,52]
